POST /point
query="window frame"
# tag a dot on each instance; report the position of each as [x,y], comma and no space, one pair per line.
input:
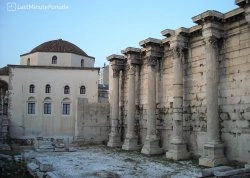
[48,88]
[54,59]
[47,108]
[31,107]
[32,88]
[66,89]
[66,109]
[82,90]
[82,62]
[28,62]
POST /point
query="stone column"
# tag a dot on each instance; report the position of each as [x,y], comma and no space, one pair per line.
[115,135]
[214,148]
[151,144]
[178,147]
[138,85]
[212,29]
[131,140]
[133,60]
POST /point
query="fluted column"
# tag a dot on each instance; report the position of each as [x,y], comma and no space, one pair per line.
[115,135]
[214,148]
[151,144]
[131,140]
[178,148]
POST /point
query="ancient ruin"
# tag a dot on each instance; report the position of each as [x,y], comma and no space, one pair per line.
[187,94]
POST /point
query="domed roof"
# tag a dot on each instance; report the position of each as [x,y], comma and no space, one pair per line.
[60,46]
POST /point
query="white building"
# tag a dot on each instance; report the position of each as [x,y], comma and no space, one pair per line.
[43,91]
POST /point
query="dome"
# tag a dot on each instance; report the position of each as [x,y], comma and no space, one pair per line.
[60,46]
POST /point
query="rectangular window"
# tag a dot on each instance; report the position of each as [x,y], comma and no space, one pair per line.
[47,108]
[31,108]
[66,109]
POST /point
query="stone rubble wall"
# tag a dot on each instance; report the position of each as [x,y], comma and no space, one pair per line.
[93,123]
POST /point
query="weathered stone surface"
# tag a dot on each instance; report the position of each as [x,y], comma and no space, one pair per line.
[44,166]
[32,168]
[51,175]
[40,174]
[235,172]
[211,171]
[212,105]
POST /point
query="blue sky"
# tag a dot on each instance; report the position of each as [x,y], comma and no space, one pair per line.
[99,27]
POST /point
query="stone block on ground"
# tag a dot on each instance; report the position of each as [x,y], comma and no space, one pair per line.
[40,174]
[235,172]
[28,156]
[52,175]
[211,171]
[44,166]
[59,149]
[32,169]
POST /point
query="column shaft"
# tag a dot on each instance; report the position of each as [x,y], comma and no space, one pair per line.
[151,122]
[212,76]
[131,138]
[214,149]
[178,148]
[131,103]
[151,145]
[114,136]
[178,97]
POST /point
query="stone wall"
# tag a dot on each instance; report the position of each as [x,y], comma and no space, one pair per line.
[93,123]
[234,89]
[215,57]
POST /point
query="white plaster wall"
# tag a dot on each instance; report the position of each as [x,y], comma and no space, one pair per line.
[76,61]
[33,59]
[63,59]
[56,124]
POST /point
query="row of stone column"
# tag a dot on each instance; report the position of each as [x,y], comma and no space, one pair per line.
[153,52]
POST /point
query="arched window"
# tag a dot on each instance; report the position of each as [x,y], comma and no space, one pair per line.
[32,88]
[82,63]
[66,106]
[31,105]
[47,88]
[47,106]
[54,60]
[82,89]
[66,89]
[28,61]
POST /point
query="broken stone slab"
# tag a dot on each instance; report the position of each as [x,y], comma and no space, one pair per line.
[28,155]
[40,174]
[44,166]
[60,149]
[52,175]
[234,172]
[32,169]
[72,149]
[211,171]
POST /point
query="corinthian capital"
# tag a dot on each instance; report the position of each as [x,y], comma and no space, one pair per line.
[116,70]
[177,52]
[131,69]
[211,42]
[152,60]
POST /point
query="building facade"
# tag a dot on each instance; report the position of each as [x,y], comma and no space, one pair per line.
[43,91]
[187,94]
